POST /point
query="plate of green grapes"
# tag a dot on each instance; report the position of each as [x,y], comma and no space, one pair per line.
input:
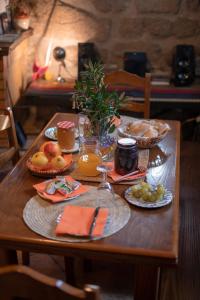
[146,195]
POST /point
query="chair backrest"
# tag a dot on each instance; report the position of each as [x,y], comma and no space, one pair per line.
[126,80]
[7,126]
[18,281]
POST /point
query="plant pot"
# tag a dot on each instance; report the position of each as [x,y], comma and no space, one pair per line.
[22,22]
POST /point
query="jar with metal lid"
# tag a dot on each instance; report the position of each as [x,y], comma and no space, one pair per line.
[126,156]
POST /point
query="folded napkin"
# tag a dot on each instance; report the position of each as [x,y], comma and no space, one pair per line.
[77,220]
[41,189]
[116,177]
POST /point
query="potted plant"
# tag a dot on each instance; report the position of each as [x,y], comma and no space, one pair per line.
[21,10]
[92,98]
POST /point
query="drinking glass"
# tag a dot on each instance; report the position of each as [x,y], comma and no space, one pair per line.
[104,184]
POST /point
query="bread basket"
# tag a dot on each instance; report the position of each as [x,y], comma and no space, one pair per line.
[143,141]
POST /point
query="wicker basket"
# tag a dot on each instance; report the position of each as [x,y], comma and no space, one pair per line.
[144,142]
[45,173]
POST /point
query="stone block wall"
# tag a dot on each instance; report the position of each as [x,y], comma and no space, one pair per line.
[115,26]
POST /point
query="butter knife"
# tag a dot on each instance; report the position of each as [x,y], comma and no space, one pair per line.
[96,212]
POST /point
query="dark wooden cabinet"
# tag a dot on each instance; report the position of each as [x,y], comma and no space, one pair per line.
[3,52]
[8,42]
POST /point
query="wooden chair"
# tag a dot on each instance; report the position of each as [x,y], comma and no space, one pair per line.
[10,151]
[21,282]
[123,80]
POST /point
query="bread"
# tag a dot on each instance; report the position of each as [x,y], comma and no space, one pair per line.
[151,132]
[146,128]
[137,128]
[163,127]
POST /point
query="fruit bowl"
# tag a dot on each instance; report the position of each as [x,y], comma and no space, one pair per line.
[157,128]
[50,171]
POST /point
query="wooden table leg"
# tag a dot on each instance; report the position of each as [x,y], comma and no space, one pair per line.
[146,282]
[70,270]
[8,257]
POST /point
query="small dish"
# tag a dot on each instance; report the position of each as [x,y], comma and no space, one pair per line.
[74,149]
[46,197]
[51,133]
[167,199]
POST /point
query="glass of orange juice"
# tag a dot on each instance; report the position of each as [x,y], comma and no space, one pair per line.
[89,158]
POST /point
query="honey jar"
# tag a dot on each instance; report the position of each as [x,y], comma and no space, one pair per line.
[66,134]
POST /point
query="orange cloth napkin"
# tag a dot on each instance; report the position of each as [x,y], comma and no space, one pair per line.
[41,187]
[76,220]
[115,176]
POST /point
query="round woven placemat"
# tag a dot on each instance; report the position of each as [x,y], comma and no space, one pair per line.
[41,216]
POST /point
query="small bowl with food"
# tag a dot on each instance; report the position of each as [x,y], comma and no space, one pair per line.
[147,133]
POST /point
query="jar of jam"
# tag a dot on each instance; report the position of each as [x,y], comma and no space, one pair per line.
[66,134]
[126,156]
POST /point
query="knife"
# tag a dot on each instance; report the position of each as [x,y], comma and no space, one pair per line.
[127,175]
[94,220]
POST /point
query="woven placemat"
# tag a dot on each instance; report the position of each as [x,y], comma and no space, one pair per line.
[41,215]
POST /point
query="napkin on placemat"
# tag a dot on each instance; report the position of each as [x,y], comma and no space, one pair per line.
[41,189]
[116,177]
[77,220]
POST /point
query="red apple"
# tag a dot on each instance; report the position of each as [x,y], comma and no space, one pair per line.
[51,149]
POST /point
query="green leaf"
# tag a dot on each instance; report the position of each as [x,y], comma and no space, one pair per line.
[92,97]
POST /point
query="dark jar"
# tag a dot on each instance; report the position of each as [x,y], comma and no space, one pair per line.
[126,156]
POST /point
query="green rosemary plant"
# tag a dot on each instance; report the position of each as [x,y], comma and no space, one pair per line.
[92,98]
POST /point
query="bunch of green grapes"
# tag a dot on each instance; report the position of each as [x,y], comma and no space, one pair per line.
[146,192]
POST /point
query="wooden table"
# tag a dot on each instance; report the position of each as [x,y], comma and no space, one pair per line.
[149,240]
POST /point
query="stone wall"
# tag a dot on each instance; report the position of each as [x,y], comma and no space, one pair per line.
[115,26]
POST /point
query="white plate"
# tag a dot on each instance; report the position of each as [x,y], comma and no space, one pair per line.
[51,133]
[78,184]
[145,204]
[74,149]
[47,198]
